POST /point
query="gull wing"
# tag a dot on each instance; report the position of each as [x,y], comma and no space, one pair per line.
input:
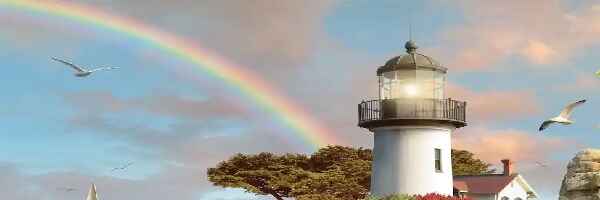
[566,112]
[545,125]
[92,195]
[128,164]
[79,69]
[67,189]
[103,68]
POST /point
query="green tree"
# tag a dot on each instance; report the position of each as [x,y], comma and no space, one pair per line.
[264,173]
[464,163]
[331,173]
[351,165]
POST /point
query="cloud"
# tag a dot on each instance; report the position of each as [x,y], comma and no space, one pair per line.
[491,105]
[541,32]
[161,104]
[583,82]
[178,182]
[24,31]
[203,127]
[187,142]
[184,150]
[492,145]
[261,34]
[539,52]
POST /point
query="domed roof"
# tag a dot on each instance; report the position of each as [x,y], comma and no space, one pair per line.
[411,60]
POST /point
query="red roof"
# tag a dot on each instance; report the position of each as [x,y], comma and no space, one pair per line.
[482,184]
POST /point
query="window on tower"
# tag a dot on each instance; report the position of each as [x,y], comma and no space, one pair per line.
[438,160]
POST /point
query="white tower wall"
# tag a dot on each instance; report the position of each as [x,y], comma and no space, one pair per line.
[404,160]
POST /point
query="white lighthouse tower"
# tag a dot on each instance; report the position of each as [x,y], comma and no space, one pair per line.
[412,122]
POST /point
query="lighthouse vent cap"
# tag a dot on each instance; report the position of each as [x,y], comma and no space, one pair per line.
[411,46]
[411,60]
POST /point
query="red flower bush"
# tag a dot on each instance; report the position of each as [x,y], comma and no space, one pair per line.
[434,196]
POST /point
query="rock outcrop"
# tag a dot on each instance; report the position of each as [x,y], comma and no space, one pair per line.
[582,181]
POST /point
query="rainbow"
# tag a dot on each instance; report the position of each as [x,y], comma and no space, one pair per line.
[207,62]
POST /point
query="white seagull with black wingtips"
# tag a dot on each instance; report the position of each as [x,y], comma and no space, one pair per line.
[563,117]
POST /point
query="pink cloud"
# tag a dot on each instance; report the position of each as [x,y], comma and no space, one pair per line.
[539,52]
[157,103]
[488,105]
[541,32]
[493,145]
[583,82]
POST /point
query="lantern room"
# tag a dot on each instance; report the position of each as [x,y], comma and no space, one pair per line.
[411,75]
[411,91]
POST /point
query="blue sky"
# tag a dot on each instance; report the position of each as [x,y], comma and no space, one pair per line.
[514,68]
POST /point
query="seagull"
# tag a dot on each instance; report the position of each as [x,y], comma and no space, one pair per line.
[122,167]
[67,189]
[81,72]
[540,164]
[563,117]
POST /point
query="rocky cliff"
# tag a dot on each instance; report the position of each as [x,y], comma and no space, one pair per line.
[582,181]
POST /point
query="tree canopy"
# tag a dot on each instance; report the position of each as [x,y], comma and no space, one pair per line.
[465,163]
[331,173]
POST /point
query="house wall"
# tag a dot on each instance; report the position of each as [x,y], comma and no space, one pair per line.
[404,160]
[512,191]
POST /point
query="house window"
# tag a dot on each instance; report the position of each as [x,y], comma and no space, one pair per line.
[438,160]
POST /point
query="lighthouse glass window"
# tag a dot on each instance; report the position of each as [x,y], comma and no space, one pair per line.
[431,84]
[398,84]
[412,83]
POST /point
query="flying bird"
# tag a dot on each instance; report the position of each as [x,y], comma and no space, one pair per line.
[122,167]
[67,189]
[540,164]
[92,194]
[563,117]
[80,71]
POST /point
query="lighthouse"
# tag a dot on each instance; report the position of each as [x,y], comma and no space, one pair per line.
[412,122]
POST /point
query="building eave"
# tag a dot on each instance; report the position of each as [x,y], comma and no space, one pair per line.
[526,185]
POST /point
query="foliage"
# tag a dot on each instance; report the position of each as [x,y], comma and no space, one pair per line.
[264,174]
[464,163]
[331,173]
[342,181]
[317,197]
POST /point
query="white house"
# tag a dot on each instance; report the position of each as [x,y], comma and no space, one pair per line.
[505,186]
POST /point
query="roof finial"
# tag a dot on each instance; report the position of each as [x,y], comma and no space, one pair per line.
[411,46]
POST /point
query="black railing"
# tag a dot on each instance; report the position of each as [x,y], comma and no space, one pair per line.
[431,109]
